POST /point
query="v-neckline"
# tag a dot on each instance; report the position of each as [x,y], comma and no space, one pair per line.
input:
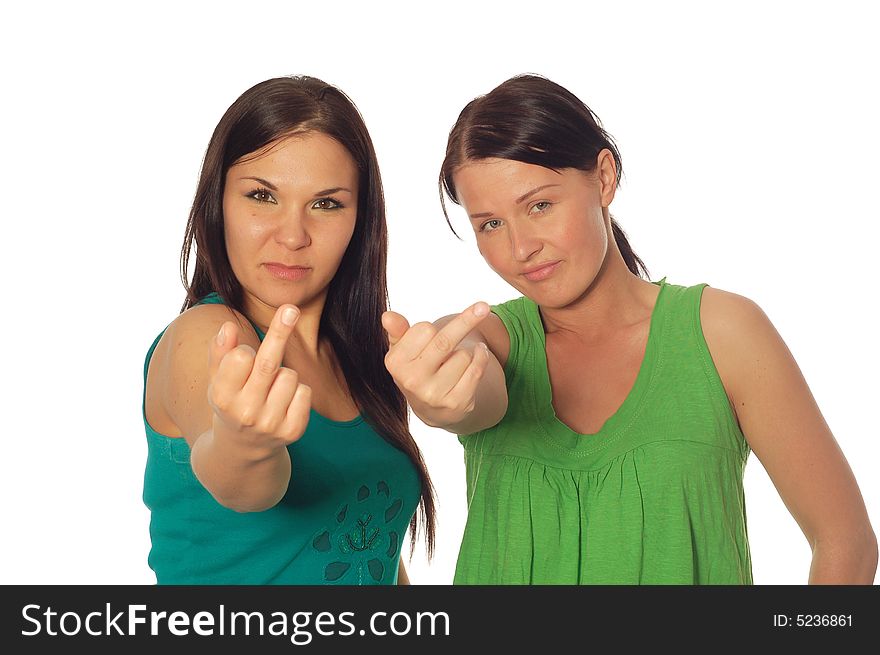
[619,419]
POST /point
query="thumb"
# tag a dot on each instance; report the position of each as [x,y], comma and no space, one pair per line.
[395,325]
[224,341]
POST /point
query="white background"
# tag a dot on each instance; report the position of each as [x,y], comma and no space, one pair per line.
[749,138]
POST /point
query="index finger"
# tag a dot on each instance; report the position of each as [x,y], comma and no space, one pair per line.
[271,352]
[451,334]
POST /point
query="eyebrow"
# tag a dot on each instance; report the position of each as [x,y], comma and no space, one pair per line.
[327,192]
[534,191]
[524,196]
[265,183]
[272,187]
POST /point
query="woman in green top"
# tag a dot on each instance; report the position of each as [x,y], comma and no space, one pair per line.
[606,420]
[279,450]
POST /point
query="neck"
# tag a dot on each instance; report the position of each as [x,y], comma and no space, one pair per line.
[616,299]
[305,339]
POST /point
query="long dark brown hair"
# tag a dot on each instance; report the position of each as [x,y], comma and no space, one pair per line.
[530,119]
[358,294]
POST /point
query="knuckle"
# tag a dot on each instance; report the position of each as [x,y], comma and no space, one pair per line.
[266,425]
[406,382]
[220,397]
[442,343]
[247,417]
[432,397]
[286,375]
[265,366]
[240,356]
[450,404]
[424,329]
[421,390]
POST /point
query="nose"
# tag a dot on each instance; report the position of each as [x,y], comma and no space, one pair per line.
[291,230]
[524,241]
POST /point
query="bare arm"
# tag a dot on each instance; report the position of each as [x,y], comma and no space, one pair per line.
[785,429]
[211,393]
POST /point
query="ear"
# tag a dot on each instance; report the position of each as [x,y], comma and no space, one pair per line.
[606,171]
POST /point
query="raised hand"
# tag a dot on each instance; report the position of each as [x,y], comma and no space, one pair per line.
[437,374]
[256,400]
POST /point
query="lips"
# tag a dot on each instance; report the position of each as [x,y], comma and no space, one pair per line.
[541,272]
[280,265]
[285,272]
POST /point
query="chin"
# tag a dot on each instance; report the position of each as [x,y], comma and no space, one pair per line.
[275,295]
[556,298]
[551,300]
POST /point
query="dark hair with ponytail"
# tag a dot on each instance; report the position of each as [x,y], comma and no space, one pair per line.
[358,294]
[530,119]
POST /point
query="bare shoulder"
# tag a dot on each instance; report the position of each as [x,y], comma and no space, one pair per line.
[177,372]
[491,331]
[726,314]
[740,337]
[193,329]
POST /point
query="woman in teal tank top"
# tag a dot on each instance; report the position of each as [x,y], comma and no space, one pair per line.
[279,450]
[606,420]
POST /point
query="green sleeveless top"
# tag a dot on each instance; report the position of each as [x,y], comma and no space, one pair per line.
[655,497]
[342,521]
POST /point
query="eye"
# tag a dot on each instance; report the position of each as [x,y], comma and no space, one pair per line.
[262,195]
[540,207]
[490,225]
[327,203]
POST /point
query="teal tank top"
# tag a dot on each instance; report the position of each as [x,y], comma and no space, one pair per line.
[342,521]
[655,497]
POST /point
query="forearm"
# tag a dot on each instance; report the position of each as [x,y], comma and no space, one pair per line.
[239,477]
[845,560]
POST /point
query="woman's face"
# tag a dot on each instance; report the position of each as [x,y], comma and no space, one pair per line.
[289,214]
[544,232]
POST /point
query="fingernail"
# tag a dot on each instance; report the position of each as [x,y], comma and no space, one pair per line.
[221,336]
[485,346]
[288,316]
[481,309]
